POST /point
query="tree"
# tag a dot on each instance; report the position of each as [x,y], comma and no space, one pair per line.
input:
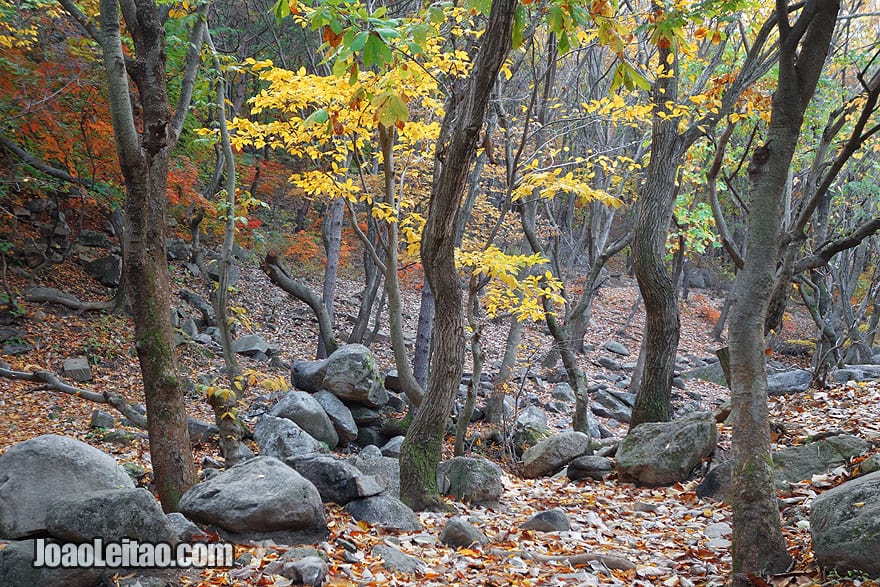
[144,151]
[758,546]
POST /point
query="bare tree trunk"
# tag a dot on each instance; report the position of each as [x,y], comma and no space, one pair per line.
[420,452]
[495,405]
[331,235]
[422,352]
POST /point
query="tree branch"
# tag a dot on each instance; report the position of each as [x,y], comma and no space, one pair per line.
[39,295]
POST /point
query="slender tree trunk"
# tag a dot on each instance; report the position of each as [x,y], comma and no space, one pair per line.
[424,332]
[495,405]
[331,234]
[758,546]
[420,452]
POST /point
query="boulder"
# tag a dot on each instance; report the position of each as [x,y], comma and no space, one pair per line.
[352,374]
[532,417]
[663,453]
[716,484]
[308,375]
[335,479]
[554,520]
[385,512]
[608,405]
[589,467]
[251,345]
[789,382]
[392,447]
[796,463]
[371,462]
[186,530]
[845,524]
[101,419]
[616,348]
[471,480]
[106,270]
[111,514]
[77,368]
[551,454]
[309,570]
[36,472]
[563,392]
[214,272]
[870,464]
[609,363]
[459,533]
[282,438]
[200,431]
[308,414]
[17,569]
[712,372]
[257,499]
[397,561]
[340,416]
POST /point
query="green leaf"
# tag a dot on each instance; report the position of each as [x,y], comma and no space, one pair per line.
[436,15]
[359,41]
[319,116]
[390,109]
[281,10]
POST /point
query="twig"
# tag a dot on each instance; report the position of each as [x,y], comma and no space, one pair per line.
[609,560]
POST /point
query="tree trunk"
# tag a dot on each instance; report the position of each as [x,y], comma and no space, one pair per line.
[143,158]
[758,546]
[420,452]
[422,352]
[331,235]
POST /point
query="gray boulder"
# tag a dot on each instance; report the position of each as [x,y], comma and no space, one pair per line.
[845,524]
[111,514]
[252,345]
[78,369]
[257,499]
[281,438]
[549,521]
[789,382]
[309,570]
[308,414]
[308,375]
[796,463]
[17,569]
[107,270]
[471,480]
[335,479]
[340,415]
[870,464]
[563,392]
[712,372]
[386,512]
[589,467]
[352,374]
[608,405]
[532,417]
[459,533]
[392,447]
[551,454]
[36,472]
[716,484]
[371,462]
[397,561]
[186,530]
[616,348]
[663,453]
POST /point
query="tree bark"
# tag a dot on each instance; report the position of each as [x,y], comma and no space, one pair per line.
[758,546]
[331,235]
[420,452]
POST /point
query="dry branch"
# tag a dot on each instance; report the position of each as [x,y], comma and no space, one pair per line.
[54,296]
[609,560]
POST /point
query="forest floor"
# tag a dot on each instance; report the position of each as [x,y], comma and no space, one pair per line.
[673,537]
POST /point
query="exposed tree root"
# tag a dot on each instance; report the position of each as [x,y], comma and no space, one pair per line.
[54,296]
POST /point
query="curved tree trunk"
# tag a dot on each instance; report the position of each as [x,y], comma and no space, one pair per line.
[420,452]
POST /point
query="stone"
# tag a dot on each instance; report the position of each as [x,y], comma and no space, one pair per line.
[663,453]
[110,514]
[214,272]
[615,347]
[177,250]
[332,477]
[870,464]
[17,569]
[340,416]
[77,368]
[308,414]
[471,480]
[101,419]
[352,374]
[797,463]
[364,416]
[250,345]
[716,484]
[563,392]
[107,270]
[845,524]
[371,462]
[201,432]
[308,375]
[590,467]
[789,382]
[385,512]
[608,405]
[551,454]
[392,447]
[370,436]
[609,363]
[397,561]
[310,570]
[93,239]
[549,521]
[532,417]
[185,529]
[36,472]
[459,533]
[712,372]
[261,498]
[282,438]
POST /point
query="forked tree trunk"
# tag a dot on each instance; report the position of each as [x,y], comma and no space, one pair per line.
[420,452]
[758,546]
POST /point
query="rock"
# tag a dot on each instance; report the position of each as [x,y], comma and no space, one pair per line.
[93,239]
[282,438]
[589,467]
[870,464]
[370,436]
[550,521]
[201,432]
[789,382]
[563,392]
[471,480]
[340,416]
[392,381]
[17,569]
[609,363]
[712,372]
[366,485]
[608,405]
[396,561]
[532,417]
[555,452]
[107,270]
[17,347]
[332,477]
[177,250]
[209,317]
[615,347]
[372,462]
[308,375]
[459,533]
[352,374]
[716,484]
[869,371]
[663,453]
[310,570]
[308,414]
[186,531]
[386,512]
[189,327]
[251,344]
[845,524]
[796,463]
[525,437]
[78,369]
[364,416]
[36,472]
[392,447]
[111,514]
[101,419]
[848,374]
[214,272]
[718,530]
[262,498]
